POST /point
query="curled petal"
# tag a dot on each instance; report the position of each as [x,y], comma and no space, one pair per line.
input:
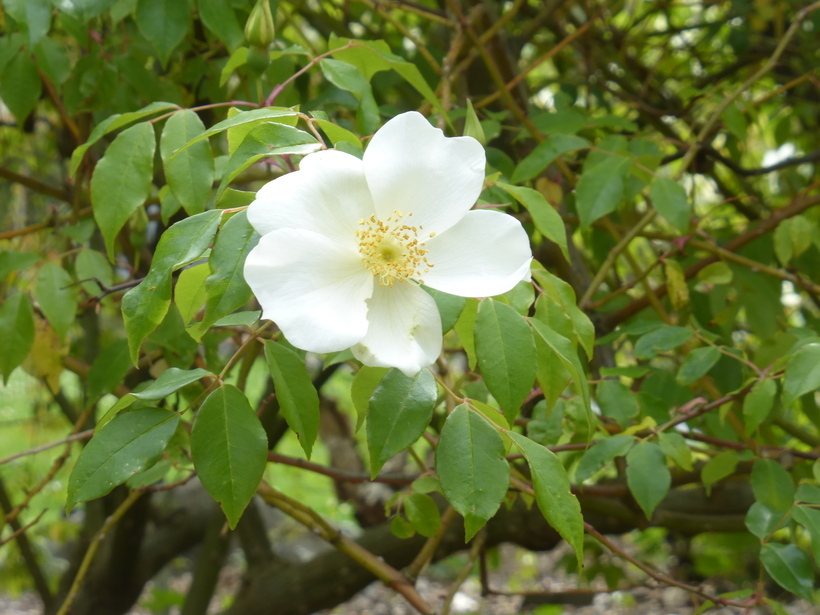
[413,168]
[405,329]
[485,254]
[327,195]
[314,289]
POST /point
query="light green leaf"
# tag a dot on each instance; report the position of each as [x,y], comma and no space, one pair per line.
[128,444]
[716,273]
[553,493]
[546,219]
[506,354]
[144,307]
[57,297]
[189,291]
[472,125]
[164,23]
[674,446]
[398,413]
[17,332]
[601,188]
[670,200]
[191,174]
[647,475]
[471,467]
[717,468]
[465,329]
[544,154]
[697,364]
[790,567]
[802,373]
[566,352]
[122,180]
[230,448]
[422,512]
[364,383]
[11,260]
[298,399]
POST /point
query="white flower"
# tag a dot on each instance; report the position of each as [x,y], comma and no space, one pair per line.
[346,242]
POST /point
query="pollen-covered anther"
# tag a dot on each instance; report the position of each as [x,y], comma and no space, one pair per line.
[391,249]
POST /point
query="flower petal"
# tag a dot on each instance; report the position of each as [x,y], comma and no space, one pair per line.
[412,167]
[311,287]
[485,254]
[405,329]
[328,195]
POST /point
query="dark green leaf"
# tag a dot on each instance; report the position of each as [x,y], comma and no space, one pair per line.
[423,513]
[600,454]
[790,567]
[53,60]
[802,373]
[697,364]
[399,411]
[108,369]
[298,399]
[219,18]
[506,354]
[17,332]
[762,520]
[130,443]
[647,475]
[546,219]
[565,351]
[471,467]
[35,15]
[449,307]
[20,86]
[661,340]
[230,448]
[560,292]
[543,155]
[809,518]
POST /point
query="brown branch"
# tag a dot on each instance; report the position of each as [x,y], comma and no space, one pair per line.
[341,475]
[21,530]
[37,186]
[83,435]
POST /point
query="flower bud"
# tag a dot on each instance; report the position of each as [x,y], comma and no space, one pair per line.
[259,29]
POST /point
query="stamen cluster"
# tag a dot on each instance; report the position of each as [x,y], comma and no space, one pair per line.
[391,249]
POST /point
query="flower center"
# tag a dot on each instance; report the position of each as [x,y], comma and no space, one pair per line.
[391,249]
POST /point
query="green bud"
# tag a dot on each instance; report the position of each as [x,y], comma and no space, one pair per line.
[259,29]
[258,59]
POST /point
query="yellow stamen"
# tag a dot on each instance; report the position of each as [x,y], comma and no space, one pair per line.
[391,249]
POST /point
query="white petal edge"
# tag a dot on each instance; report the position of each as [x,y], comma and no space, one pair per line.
[311,287]
[485,254]
[405,329]
[328,195]
[412,167]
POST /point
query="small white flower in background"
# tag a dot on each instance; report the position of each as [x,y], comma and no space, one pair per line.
[346,242]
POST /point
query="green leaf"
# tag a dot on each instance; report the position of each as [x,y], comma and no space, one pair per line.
[809,518]
[241,118]
[601,189]
[16,331]
[298,399]
[674,446]
[471,467]
[544,154]
[465,329]
[802,373]
[130,443]
[772,484]
[717,468]
[422,512]
[145,306]
[337,134]
[617,401]
[716,273]
[762,520]
[108,369]
[226,287]
[449,307]
[92,264]
[11,260]
[53,60]
[35,15]
[122,180]
[348,77]
[230,449]
[697,364]
[790,567]
[661,339]
[364,383]
[169,381]
[546,219]
[189,292]
[551,373]
[472,125]
[164,23]
[506,354]
[647,475]
[600,454]
[399,412]
[20,86]
[670,200]
[758,403]
[566,352]
[561,293]
[553,493]
[57,297]
[191,174]
[219,18]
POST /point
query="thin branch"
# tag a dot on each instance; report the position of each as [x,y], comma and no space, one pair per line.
[341,475]
[36,186]
[83,435]
[429,549]
[22,529]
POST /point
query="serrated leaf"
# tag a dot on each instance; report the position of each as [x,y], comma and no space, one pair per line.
[398,413]
[471,467]
[790,567]
[647,476]
[697,364]
[229,448]
[122,180]
[130,443]
[506,355]
[544,154]
[298,399]
[144,307]
[548,221]
[17,332]
[57,297]
[164,23]
[553,493]
[601,188]
[191,174]
[670,200]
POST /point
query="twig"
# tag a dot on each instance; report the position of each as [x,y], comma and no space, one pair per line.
[83,435]
[475,551]
[428,550]
[341,475]
[313,521]
[21,530]
[37,186]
